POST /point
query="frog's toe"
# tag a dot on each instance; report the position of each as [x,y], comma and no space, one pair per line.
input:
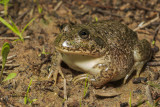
[125,79]
[55,75]
[80,78]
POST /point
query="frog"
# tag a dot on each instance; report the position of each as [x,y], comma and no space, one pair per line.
[104,51]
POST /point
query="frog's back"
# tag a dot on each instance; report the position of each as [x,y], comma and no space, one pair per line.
[120,41]
[115,34]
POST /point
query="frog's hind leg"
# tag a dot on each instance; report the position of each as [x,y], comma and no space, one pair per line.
[80,77]
[98,80]
[105,76]
[142,53]
[138,67]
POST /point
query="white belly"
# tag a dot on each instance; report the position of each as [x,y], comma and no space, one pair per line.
[82,63]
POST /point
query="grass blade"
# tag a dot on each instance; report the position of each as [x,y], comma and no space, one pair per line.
[130,104]
[9,26]
[26,95]
[28,25]
[14,25]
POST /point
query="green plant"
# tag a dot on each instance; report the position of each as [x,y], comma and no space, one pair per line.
[130,95]
[96,19]
[149,105]
[80,103]
[86,85]
[5,51]
[153,42]
[26,98]
[44,52]
[153,84]
[10,76]
[15,29]
[40,9]
[5,3]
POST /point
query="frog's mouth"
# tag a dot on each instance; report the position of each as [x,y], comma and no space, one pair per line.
[76,49]
[78,52]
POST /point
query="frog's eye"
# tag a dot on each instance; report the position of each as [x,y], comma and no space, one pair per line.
[84,33]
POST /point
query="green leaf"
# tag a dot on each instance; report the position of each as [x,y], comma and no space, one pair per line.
[10,76]
[25,100]
[40,9]
[4,2]
[130,104]
[153,42]
[31,101]
[9,26]
[34,100]
[5,51]
[14,25]
[96,18]
[27,25]
[1,2]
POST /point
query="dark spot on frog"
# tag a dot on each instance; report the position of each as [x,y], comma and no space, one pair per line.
[99,41]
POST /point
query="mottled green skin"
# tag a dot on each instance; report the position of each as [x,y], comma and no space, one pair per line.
[117,47]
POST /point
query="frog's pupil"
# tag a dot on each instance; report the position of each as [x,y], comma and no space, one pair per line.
[83,33]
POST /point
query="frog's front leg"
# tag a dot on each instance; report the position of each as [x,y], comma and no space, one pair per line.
[55,67]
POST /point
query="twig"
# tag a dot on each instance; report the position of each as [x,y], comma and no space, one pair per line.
[138,103]
[140,6]
[145,8]
[148,94]
[156,56]
[101,11]
[153,63]
[145,32]
[4,31]
[147,23]
[156,32]
[65,93]
[13,38]
[10,65]
[23,15]
[8,58]
[57,6]
[9,62]
[38,66]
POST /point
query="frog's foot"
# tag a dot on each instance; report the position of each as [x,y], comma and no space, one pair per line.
[138,67]
[55,74]
[96,81]
[80,78]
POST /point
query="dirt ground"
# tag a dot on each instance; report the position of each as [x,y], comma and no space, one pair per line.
[30,61]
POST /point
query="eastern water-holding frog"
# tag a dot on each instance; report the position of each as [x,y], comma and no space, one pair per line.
[106,50]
